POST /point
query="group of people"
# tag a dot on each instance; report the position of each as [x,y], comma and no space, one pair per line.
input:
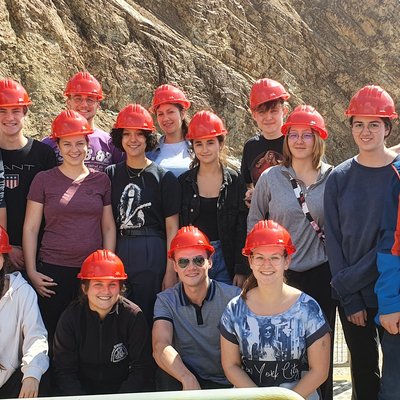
[193,275]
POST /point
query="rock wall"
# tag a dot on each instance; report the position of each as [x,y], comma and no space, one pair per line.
[322,50]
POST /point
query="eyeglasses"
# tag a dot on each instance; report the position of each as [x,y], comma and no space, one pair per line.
[372,127]
[198,261]
[305,137]
[80,99]
[275,260]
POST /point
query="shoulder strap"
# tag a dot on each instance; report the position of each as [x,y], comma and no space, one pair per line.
[302,201]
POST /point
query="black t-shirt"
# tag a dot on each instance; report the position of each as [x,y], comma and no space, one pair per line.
[20,167]
[258,155]
[207,220]
[145,198]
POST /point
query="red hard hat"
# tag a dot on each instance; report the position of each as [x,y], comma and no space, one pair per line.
[169,94]
[306,115]
[69,123]
[103,264]
[189,236]
[84,83]
[204,125]
[268,233]
[266,90]
[134,116]
[4,241]
[12,94]
[372,101]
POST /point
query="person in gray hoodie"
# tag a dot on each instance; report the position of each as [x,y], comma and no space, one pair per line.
[292,194]
[23,341]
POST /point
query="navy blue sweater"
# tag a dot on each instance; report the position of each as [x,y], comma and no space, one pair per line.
[354,198]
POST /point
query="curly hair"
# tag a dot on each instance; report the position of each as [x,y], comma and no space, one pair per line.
[116,137]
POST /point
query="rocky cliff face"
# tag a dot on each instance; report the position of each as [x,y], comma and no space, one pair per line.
[322,50]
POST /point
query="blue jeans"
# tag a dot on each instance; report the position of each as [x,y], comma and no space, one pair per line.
[218,271]
[390,386]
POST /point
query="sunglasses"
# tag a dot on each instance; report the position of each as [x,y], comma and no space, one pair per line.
[198,261]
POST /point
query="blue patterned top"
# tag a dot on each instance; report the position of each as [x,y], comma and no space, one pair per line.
[273,348]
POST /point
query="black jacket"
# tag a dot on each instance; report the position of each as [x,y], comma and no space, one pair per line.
[231,215]
[99,357]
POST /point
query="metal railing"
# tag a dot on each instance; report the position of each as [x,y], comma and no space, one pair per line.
[341,355]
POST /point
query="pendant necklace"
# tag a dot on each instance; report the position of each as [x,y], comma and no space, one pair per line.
[133,174]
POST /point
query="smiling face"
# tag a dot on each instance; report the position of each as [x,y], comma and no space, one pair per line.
[11,120]
[270,121]
[369,133]
[207,151]
[73,149]
[169,118]
[87,106]
[102,295]
[134,142]
[193,275]
[268,264]
[301,141]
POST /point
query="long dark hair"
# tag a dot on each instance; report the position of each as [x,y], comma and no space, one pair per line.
[222,155]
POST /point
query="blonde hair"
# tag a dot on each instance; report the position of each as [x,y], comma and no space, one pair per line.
[318,151]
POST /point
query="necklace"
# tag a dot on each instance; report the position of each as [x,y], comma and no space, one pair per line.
[132,173]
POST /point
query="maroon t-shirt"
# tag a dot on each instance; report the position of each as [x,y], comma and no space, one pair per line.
[73,212]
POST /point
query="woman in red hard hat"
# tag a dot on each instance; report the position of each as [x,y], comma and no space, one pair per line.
[76,205]
[146,201]
[273,334]
[23,344]
[292,194]
[172,152]
[102,342]
[354,198]
[212,198]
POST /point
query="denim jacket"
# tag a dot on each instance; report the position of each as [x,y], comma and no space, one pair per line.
[231,215]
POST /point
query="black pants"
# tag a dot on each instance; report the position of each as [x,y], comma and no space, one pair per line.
[66,290]
[166,382]
[144,258]
[12,387]
[363,343]
[316,282]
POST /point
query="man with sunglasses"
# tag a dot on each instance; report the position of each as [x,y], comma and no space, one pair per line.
[84,94]
[186,342]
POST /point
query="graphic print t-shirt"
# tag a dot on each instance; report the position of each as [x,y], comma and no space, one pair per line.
[274,348]
[258,155]
[20,167]
[145,198]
